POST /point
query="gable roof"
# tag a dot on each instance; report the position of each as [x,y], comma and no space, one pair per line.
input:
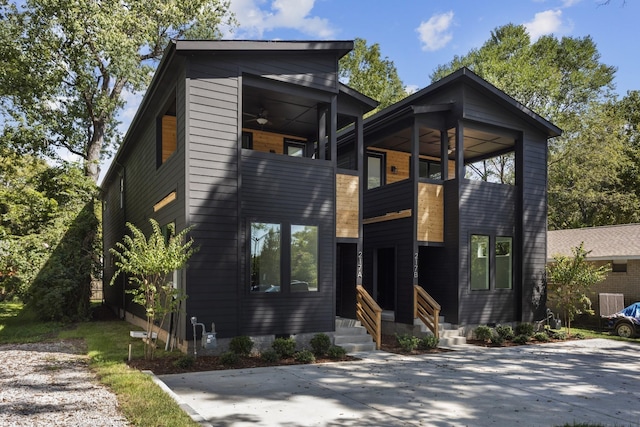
[614,242]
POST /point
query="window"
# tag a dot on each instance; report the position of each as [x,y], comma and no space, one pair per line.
[167,132]
[430,169]
[479,262]
[304,258]
[247,140]
[504,276]
[375,170]
[265,257]
[619,266]
[295,148]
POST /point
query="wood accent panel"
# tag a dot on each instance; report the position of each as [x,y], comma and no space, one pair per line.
[169,136]
[165,201]
[401,160]
[347,206]
[430,212]
[268,142]
[388,217]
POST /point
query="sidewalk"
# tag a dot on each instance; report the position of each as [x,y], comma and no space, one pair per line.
[593,381]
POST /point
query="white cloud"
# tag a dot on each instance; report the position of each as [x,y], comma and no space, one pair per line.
[254,20]
[547,22]
[410,89]
[569,3]
[131,103]
[433,34]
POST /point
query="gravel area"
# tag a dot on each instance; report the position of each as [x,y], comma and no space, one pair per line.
[50,384]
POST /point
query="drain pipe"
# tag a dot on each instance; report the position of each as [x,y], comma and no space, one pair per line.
[194,322]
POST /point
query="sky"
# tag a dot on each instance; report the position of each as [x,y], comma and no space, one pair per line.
[419,35]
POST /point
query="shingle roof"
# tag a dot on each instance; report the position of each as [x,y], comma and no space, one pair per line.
[605,243]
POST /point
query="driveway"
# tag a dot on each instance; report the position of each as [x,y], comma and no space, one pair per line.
[594,381]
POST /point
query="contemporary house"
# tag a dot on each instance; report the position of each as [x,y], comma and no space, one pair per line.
[301,208]
[617,246]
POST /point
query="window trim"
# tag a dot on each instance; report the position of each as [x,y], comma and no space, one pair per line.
[429,163]
[485,256]
[290,142]
[383,164]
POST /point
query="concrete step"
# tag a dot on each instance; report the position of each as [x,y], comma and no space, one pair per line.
[352,336]
[451,341]
[352,339]
[356,347]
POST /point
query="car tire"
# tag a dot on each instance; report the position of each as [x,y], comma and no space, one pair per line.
[625,330]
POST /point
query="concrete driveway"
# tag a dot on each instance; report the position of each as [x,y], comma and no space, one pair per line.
[594,381]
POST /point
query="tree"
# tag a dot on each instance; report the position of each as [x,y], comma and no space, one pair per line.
[364,70]
[66,63]
[569,280]
[149,265]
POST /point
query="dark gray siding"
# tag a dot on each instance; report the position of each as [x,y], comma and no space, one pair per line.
[388,198]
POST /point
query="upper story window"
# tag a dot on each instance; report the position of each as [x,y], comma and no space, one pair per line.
[375,170]
[295,148]
[430,169]
[167,132]
[619,266]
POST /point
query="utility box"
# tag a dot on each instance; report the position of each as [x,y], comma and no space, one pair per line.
[209,340]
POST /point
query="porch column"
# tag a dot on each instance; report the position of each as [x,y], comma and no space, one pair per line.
[322,131]
[459,151]
[359,135]
[415,178]
[444,155]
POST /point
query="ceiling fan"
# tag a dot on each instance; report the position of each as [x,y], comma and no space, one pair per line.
[260,118]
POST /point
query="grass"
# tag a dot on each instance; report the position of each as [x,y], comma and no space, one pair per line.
[141,401]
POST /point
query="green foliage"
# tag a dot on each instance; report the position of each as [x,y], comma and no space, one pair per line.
[285,347]
[521,339]
[363,69]
[149,265]
[229,358]
[541,336]
[496,339]
[270,355]
[407,342]
[569,280]
[557,335]
[320,344]
[428,342]
[336,352]
[483,333]
[184,362]
[304,356]
[525,329]
[505,331]
[241,345]
[579,336]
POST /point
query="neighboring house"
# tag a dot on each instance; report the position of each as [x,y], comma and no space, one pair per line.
[616,245]
[296,199]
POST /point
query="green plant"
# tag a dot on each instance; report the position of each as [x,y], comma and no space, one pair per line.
[304,356]
[483,333]
[558,335]
[521,339]
[407,342]
[579,336]
[229,358]
[524,329]
[336,352]
[505,331]
[497,339]
[184,362]
[270,355]
[241,345]
[320,344]
[541,336]
[285,347]
[428,342]
[149,265]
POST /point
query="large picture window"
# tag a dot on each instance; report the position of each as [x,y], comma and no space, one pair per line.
[504,263]
[375,170]
[430,169]
[304,258]
[265,257]
[479,262]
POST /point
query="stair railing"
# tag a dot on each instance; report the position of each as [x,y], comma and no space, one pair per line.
[426,309]
[369,314]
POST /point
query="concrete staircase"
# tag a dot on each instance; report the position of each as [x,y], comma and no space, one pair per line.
[450,335]
[352,336]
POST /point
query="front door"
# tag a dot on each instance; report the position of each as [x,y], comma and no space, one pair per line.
[385,279]
[346,272]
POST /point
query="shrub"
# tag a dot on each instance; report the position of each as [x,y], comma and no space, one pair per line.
[320,344]
[558,335]
[579,336]
[184,362]
[285,347]
[336,352]
[229,358]
[524,329]
[270,356]
[304,356]
[407,342]
[521,339]
[428,342]
[505,331]
[541,336]
[497,339]
[241,345]
[483,333]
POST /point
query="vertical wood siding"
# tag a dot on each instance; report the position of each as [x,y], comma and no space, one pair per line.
[347,206]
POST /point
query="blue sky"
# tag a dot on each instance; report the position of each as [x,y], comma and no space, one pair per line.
[419,35]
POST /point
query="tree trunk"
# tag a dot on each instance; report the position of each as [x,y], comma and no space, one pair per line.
[92,160]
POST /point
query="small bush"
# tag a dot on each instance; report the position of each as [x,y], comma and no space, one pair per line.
[304,356]
[229,358]
[579,336]
[407,342]
[524,329]
[483,333]
[241,345]
[184,362]
[505,331]
[521,339]
[320,344]
[428,342]
[541,336]
[497,339]
[558,335]
[336,352]
[285,347]
[270,355]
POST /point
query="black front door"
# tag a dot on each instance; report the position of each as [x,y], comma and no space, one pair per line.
[386,278]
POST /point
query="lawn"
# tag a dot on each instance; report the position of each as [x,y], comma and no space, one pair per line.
[141,401]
